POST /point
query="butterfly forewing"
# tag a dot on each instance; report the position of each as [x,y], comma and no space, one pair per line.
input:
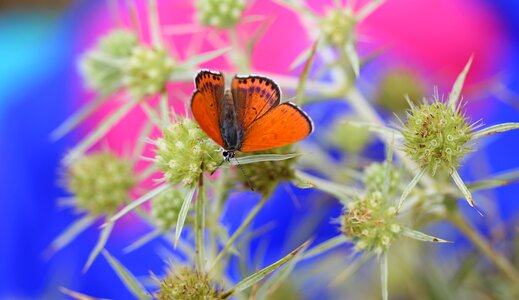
[207,101]
[284,124]
[253,97]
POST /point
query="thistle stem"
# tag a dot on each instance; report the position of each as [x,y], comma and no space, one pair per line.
[252,214]
[154,23]
[482,245]
[164,108]
[383,275]
[199,225]
[238,55]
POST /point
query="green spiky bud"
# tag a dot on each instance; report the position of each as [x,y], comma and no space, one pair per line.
[186,283]
[102,66]
[371,223]
[219,13]
[337,26]
[436,136]
[184,152]
[147,70]
[375,178]
[350,138]
[100,182]
[165,208]
[266,175]
[393,88]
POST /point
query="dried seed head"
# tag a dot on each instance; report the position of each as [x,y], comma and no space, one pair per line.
[219,13]
[436,136]
[184,152]
[100,182]
[101,67]
[185,283]
[371,223]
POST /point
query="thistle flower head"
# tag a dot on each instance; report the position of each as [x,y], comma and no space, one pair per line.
[375,178]
[337,26]
[349,137]
[100,182]
[184,152]
[393,87]
[266,175]
[101,67]
[147,71]
[436,135]
[186,283]
[165,208]
[371,223]
[219,13]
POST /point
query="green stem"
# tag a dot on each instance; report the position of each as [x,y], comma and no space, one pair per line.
[154,23]
[252,214]
[164,107]
[482,245]
[238,55]
[199,225]
[383,275]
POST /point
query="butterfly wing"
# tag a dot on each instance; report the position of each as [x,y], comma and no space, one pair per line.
[282,125]
[253,97]
[206,103]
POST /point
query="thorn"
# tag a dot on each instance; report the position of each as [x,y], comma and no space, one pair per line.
[473,205]
[477,210]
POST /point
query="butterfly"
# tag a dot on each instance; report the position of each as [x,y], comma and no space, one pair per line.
[247,117]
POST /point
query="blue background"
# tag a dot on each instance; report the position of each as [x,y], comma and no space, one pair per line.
[37,92]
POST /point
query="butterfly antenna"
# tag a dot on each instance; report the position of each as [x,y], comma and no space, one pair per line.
[245,175]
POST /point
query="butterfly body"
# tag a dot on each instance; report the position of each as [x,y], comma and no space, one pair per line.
[247,117]
[231,130]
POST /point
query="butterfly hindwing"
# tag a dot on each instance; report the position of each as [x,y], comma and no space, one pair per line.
[253,97]
[206,103]
[282,125]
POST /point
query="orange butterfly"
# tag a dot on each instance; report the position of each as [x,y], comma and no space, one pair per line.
[247,117]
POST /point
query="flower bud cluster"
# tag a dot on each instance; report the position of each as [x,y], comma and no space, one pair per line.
[185,283]
[436,136]
[372,224]
[220,13]
[337,26]
[101,67]
[266,175]
[147,71]
[166,207]
[100,182]
[349,137]
[375,178]
[184,152]
[395,84]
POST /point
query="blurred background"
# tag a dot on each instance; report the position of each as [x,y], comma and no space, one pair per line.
[41,42]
